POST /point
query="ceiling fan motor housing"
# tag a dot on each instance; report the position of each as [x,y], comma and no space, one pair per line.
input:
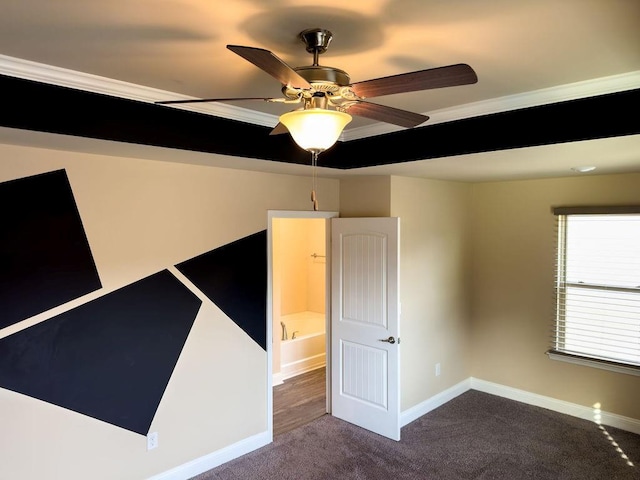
[328,82]
[324,80]
[317,40]
[323,75]
[327,79]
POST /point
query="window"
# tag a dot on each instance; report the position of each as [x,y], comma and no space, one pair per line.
[597,318]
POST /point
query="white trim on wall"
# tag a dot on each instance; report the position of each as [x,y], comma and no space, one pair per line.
[212,460]
[39,72]
[215,459]
[560,93]
[434,402]
[580,411]
[568,408]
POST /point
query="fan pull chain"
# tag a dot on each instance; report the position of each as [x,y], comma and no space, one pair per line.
[314,164]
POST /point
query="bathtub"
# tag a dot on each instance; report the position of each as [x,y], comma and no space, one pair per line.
[307,351]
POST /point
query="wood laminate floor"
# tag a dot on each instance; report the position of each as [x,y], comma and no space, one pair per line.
[299,400]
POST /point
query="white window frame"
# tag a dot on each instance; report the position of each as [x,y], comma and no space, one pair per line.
[588,354]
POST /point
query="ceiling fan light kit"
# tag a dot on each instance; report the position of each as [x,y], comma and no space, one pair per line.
[315,129]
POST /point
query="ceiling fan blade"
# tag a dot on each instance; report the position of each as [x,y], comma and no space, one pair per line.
[279,129]
[450,76]
[386,114]
[271,64]
[204,100]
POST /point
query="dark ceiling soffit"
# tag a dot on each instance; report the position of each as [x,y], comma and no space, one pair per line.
[85,114]
[62,110]
[604,116]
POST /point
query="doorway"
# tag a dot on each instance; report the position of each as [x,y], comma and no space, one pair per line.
[298,306]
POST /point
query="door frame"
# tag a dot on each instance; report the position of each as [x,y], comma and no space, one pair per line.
[293,214]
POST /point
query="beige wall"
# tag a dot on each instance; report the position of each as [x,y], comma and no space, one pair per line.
[141,217]
[512,304]
[366,196]
[301,277]
[290,240]
[476,291]
[316,267]
[434,279]
[434,275]
[476,284]
[298,279]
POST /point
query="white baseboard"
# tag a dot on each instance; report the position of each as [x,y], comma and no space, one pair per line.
[305,365]
[299,367]
[277,379]
[434,402]
[215,459]
[573,409]
[587,413]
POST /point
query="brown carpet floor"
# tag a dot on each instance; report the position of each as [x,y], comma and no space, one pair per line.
[475,436]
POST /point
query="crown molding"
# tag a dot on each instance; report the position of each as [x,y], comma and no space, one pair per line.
[38,72]
[562,93]
[28,70]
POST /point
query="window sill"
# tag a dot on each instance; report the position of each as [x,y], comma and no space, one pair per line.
[590,362]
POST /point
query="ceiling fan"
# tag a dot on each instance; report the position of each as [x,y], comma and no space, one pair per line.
[326,88]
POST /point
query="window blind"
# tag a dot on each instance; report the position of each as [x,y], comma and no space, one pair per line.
[597,288]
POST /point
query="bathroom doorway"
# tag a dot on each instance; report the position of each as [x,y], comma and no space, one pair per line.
[299,320]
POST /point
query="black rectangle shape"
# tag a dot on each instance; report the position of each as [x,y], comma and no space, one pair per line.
[234,277]
[45,259]
[111,358]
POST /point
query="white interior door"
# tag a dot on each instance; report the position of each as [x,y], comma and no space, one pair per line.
[365,372]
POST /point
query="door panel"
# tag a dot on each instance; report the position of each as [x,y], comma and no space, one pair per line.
[364,374]
[365,331]
[363,278]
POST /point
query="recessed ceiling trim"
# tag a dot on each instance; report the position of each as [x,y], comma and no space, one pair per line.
[572,91]
[62,77]
[25,69]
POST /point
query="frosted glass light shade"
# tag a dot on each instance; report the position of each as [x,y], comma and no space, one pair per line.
[315,129]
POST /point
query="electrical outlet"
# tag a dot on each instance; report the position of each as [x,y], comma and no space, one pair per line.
[152,440]
[437,369]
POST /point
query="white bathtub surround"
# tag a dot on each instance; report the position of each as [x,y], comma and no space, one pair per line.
[304,323]
[305,352]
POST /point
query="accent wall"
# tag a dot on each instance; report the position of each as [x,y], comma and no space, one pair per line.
[167,332]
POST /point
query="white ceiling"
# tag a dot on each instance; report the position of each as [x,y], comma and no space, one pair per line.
[525,52]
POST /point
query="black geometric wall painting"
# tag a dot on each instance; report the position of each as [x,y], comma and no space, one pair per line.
[45,259]
[234,277]
[111,358]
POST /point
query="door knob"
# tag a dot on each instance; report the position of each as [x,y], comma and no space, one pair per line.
[388,340]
